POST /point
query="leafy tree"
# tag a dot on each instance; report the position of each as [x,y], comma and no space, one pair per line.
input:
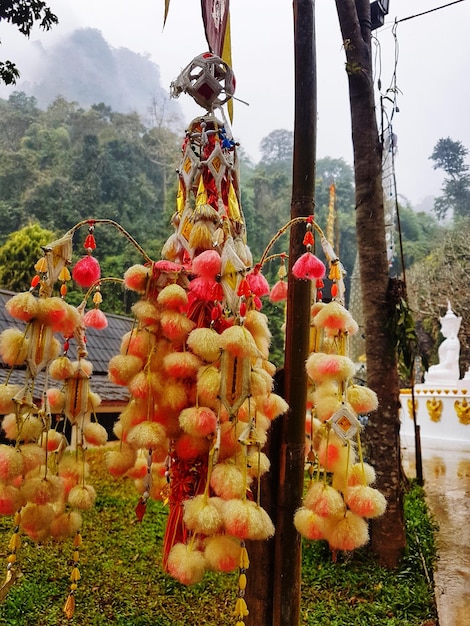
[19,254]
[277,147]
[450,156]
[446,269]
[23,14]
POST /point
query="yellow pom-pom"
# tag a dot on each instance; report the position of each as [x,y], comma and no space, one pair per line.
[65,525]
[205,343]
[222,553]
[7,393]
[185,564]
[13,346]
[202,515]
[61,368]
[95,434]
[309,524]
[173,297]
[227,481]
[362,399]
[23,306]
[366,501]
[121,460]
[239,342]
[146,312]
[148,435]
[136,278]
[82,497]
[43,490]
[349,533]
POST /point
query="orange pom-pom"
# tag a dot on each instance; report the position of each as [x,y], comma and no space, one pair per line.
[239,341]
[136,278]
[11,499]
[56,400]
[41,491]
[362,399]
[22,306]
[120,460]
[146,312]
[181,364]
[322,367]
[65,525]
[324,500]
[279,292]
[11,463]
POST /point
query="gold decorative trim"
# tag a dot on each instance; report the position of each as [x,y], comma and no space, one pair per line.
[434,408]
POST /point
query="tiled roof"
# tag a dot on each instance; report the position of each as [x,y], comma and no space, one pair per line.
[101,346]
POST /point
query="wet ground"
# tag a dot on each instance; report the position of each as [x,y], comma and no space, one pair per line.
[446,472]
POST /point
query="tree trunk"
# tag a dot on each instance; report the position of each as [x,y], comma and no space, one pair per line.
[387,533]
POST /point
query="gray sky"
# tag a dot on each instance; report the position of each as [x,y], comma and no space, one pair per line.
[431,73]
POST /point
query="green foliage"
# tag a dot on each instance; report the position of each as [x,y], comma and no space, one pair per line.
[401,327]
[123,583]
[23,14]
[19,254]
[450,156]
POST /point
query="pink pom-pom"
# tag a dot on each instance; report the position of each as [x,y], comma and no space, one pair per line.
[189,448]
[95,318]
[366,501]
[86,271]
[198,421]
[207,264]
[222,553]
[349,533]
[258,283]
[204,289]
[308,266]
[279,292]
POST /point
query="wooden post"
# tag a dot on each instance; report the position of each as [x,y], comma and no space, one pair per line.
[287,570]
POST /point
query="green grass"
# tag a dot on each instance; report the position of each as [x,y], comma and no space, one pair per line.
[123,583]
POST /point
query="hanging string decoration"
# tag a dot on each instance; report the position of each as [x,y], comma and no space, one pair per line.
[340,496]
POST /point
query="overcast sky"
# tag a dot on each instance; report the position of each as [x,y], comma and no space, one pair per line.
[431,74]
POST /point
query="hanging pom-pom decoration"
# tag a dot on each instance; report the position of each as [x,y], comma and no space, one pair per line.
[64,276]
[86,271]
[308,267]
[90,243]
[95,318]
[257,282]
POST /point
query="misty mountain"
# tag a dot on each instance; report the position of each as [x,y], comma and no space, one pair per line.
[84,68]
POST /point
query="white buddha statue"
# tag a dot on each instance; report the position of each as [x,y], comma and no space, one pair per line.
[447,371]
